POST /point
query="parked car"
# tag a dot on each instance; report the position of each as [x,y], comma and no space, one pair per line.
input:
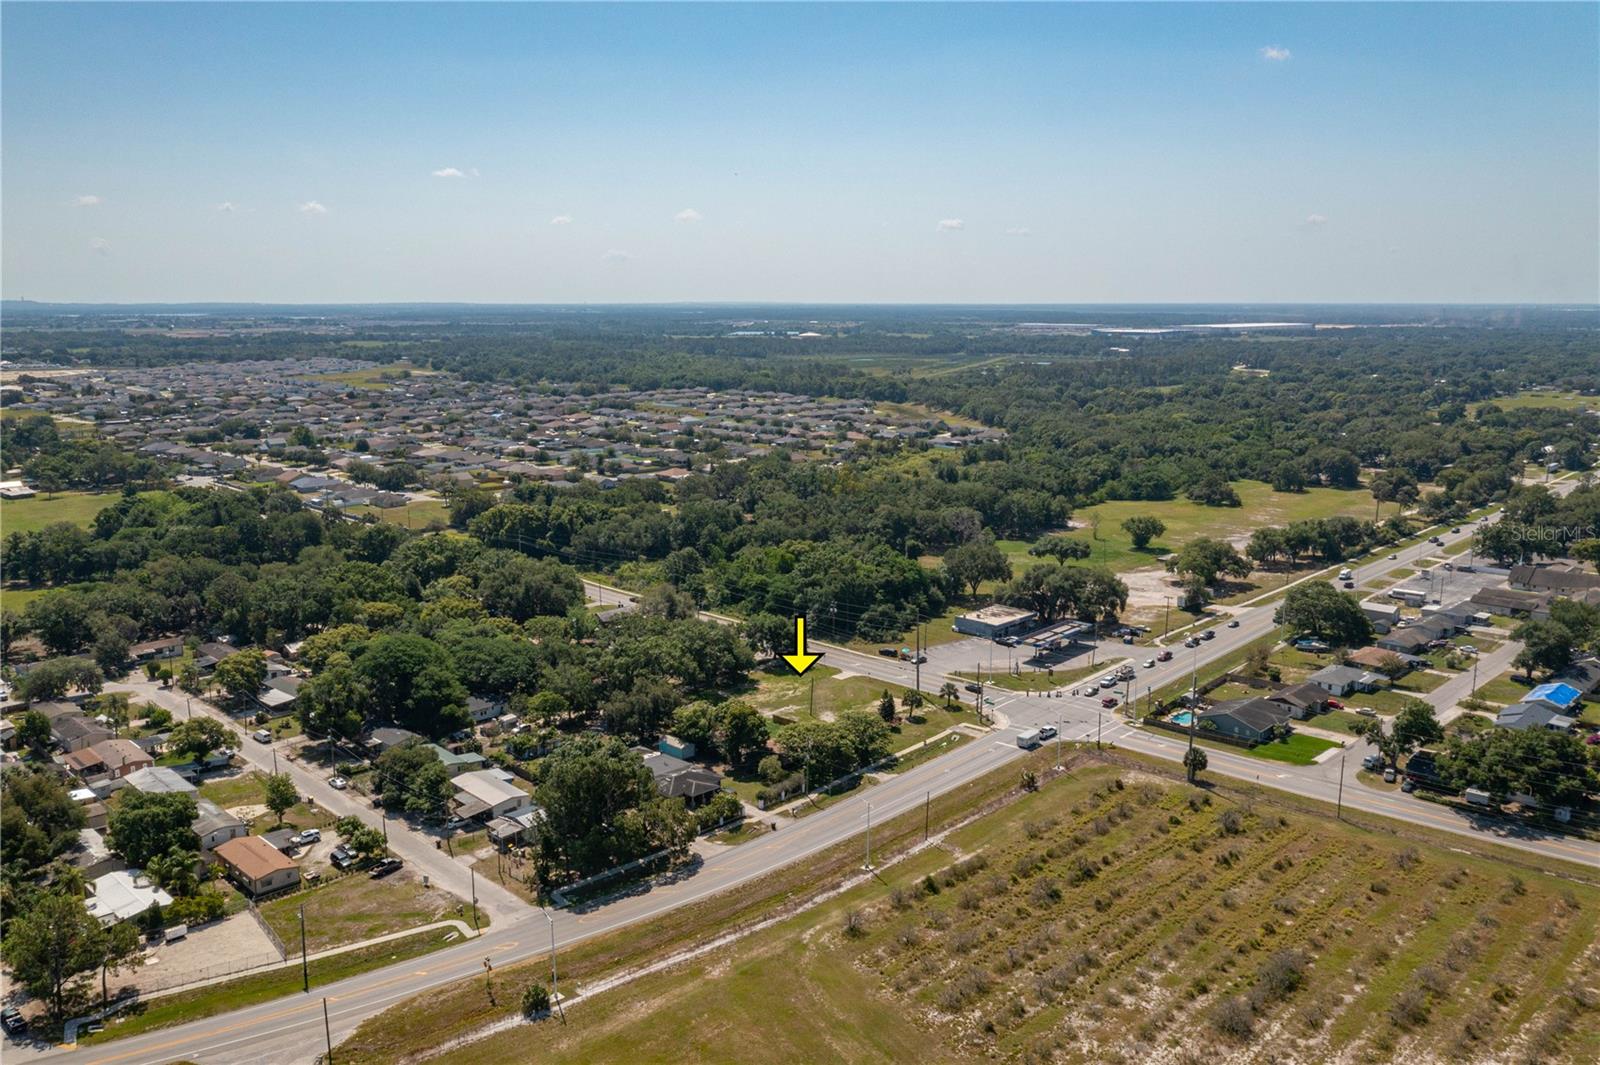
[1009,641]
[338,783]
[1047,732]
[1408,785]
[12,1020]
[454,822]
[1366,711]
[1334,704]
[385,867]
[342,857]
[261,735]
[1388,775]
[1372,762]
[311,876]
[307,835]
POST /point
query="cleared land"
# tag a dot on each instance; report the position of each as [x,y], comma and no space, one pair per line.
[354,908]
[31,515]
[1115,915]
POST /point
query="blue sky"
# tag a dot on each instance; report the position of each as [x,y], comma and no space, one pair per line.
[985,153]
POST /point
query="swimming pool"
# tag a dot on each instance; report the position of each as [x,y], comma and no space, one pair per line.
[1182,718]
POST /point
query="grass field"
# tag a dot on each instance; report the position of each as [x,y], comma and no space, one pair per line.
[417,514]
[250,789]
[1336,721]
[354,908]
[1113,916]
[1186,521]
[1545,398]
[1298,749]
[1507,688]
[31,515]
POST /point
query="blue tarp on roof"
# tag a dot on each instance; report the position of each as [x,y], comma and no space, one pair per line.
[1563,695]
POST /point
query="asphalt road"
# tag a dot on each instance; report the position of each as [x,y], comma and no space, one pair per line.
[291,1029]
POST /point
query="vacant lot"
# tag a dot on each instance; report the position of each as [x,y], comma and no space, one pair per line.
[248,792]
[30,515]
[355,908]
[417,514]
[1118,916]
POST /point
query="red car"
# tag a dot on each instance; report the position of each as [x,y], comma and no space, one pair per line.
[1109,701]
[1334,704]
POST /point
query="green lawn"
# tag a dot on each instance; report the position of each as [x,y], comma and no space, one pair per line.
[779,691]
[250,789]
[1419,681]
[1297,749]
[1541,397]
[31,515]
[1509,687]
[1336,721]
[354,908]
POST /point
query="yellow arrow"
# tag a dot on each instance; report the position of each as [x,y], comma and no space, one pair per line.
[800,660]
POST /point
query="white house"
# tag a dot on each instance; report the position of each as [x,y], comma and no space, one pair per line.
[489,793]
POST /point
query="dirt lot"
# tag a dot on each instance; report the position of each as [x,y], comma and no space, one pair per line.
[231,945]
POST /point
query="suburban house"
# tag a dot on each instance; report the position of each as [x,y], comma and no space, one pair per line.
[1255,719]
[1302,700]
[1534,713]
[159,780]
[8,735]
[1583,675]
[481,710]
[380,740]
[518,828]
[74,732]
[1562,696]
[677,779]
[122,895]
[1412,640]
[111,758]
[995,620]
[214,826]
[155,650]
[277,696]
[1342,680]
[256,865]
[489,793]
[209,654]
[456,764]
[1376,658]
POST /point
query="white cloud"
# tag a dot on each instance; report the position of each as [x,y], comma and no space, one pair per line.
[1019,231]
[688,214]
[100,246]
[1273,53]
[561,220]
[312,207]
[952,223]
[455,172]
[87,201]
[615,256]
[1316,219]
[227,207]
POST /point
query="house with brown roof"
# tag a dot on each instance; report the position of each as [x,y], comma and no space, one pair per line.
[256,865]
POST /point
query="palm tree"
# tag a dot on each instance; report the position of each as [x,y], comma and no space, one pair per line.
[949,692]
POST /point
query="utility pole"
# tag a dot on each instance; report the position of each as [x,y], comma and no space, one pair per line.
[1059,726]
[1099,713]
[927,800]
[917,658]
[978,706]
[1474,675]
[555,986]
[1167,625]
[327,1031]
[1338,810]
[474,875]
[305,962]
[868,866]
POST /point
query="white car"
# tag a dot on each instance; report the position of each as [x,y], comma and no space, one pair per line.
[1149,663]
[261,735]
[338,783]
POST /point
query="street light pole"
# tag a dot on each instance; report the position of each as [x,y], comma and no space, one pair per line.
[1338,810]
[305,964]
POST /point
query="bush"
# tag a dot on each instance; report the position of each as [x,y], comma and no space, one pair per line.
[770,769]
[787,788]
[1232,1017]
[196,909]
[723,807]
[535,1000]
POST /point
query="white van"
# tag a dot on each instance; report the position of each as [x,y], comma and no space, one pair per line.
[1346,575]
[1029,740]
